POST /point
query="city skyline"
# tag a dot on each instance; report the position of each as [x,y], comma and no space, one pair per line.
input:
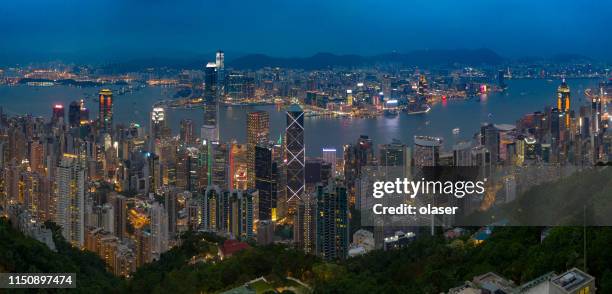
[428,151]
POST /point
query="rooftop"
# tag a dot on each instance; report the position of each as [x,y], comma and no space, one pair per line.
[572,280]
[427,141]
[230,247]
[294,108]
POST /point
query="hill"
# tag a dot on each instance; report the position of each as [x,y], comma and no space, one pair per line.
[422,58]
[21,254]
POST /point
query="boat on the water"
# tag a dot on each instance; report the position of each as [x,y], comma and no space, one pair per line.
[391,112]
[425,109]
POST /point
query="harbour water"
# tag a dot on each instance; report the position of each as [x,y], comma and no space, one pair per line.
[522,96]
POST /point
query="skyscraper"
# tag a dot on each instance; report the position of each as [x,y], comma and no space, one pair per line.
[426,151]
[74,114]
[596,109]
[105,110]
[219,59]
[462,154]
[220,65]
[316,171]
[186,131]
[58,113]
[266,175]
[84,115]
[357,156]
[171,206]
[349,97]
[238,87]
[329,156]
[555,124]
[332,221]
[70,214]
[563,101]
[142,244]
[220,165]
[238,166]
[159,229]
[295,150]
[422,85]
[240,214]
[158,122]
[210,208]
[305,234]
[530,148]
[258,131]
[393,154]
[490,138]
[396,155]
[120,209]
[210,129]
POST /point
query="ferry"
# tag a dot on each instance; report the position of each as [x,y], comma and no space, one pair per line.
[391,112]
[420,111]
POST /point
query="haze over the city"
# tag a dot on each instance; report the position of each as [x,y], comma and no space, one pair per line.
[99,30]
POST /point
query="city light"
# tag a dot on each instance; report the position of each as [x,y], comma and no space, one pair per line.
[468,155]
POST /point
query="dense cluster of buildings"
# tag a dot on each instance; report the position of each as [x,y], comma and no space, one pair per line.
[127,191]
[574,281]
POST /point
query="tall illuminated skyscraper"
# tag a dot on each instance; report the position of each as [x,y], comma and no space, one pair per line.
[266,181]
[220,64]
[596,108]
[84,114]
[220,164]
[238,166]
[329,156]
[220,59]
[70,214]
[58,113]
[349,97]
[332,222]
[105,110]
[295,153]
[563,101]
[158,122]
[305,224]
[210,129]
[422,85]
[258,131]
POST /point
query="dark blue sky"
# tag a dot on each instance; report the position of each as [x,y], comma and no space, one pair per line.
[127,28]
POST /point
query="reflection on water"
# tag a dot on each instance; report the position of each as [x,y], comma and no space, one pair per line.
[523,96]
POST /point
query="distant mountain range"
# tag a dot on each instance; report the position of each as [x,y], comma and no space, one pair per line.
[327,60]
[318,61]
[422,58]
